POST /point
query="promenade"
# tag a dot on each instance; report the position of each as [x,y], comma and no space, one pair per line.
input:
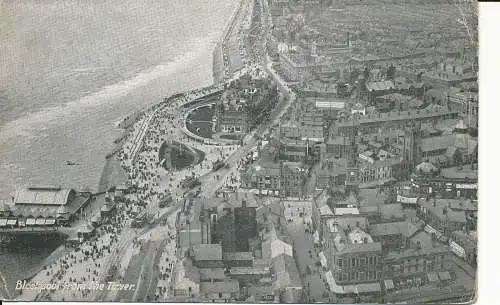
[146,257]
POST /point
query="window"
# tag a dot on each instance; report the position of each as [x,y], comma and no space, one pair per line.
[353,262]
[220,295]
[339,262]
[370,261]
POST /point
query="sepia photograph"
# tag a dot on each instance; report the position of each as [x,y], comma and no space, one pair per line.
[239,151]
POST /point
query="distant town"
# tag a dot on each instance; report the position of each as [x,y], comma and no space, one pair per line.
[334,160]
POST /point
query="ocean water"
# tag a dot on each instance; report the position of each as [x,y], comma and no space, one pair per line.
[69,70]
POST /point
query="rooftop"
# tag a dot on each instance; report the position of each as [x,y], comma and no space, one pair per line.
[441,208]
[249,270]
[236,256]
[380,86]
[43,196]
[405,228]
[455,173]
[465,239]
[396,116]
[203,252]
[415,252]
[211,274]
[49,210]
[229,286]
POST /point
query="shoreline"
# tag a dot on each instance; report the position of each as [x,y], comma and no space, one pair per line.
[112,174]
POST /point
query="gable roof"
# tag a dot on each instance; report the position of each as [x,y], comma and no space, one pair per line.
[43,196]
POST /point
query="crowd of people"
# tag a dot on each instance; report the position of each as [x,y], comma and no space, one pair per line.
[91,260]
[82,265]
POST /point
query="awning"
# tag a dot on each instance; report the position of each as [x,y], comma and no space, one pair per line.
[330,280]
[444,276]
[388,284]
[30,221]
[432,276]
[11,222]
[431,230]
[316,237]
[50,221]
[322,260]
[40,221]
[3,222]
[371,287]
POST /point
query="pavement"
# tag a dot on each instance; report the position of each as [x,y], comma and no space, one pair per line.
[143,273]
[303,244]
[142,266]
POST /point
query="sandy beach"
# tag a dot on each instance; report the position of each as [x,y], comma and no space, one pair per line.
[86,264]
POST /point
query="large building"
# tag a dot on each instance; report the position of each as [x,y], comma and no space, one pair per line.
[295,66]
[217,220]
[275,178]
[420,261]
[377,171]
[236,223]
[332,171]
[232,116]
[299,150]
[307,123]
[390,121]
[466,104]
[354,257]
[441,216]
[457,148]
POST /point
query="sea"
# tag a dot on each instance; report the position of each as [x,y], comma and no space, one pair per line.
[71,70]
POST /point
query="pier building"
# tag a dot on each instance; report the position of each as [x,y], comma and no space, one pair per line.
[42,207]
